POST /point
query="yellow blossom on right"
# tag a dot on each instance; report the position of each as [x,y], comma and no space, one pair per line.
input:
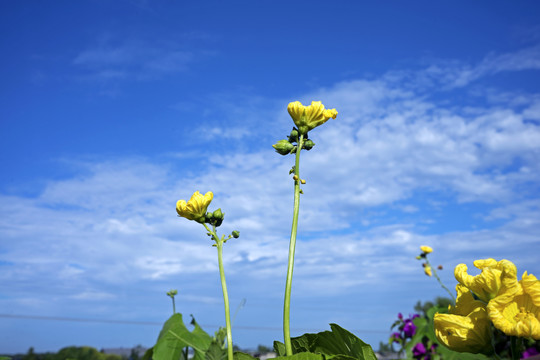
[516,309]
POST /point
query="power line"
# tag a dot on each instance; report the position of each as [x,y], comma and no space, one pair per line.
[155,323]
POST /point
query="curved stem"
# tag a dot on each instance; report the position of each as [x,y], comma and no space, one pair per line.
[440,281]
[292,246]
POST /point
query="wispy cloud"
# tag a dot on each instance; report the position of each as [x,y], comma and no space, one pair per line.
[132,59]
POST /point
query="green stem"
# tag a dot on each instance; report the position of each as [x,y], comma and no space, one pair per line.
[440,282]
[292,246]
[219,245]
[173,306]
[515,345]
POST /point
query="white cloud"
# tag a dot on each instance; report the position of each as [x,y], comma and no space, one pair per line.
[113,222]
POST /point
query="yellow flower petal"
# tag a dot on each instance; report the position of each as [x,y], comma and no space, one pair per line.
[516,309]
[426,249]
[309,117]
[196,207]
[486,285]
[466,328]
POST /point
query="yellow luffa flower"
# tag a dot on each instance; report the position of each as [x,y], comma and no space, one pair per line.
[486,285]
[426,249]
[466,328]
[195,208]
[309,117]
[516,309]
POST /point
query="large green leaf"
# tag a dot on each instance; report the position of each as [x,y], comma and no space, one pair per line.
[338,344]
[302,356]
[174,337]
[243,356]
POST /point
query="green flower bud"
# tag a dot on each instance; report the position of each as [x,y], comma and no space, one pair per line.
[283,147]
[236,234]
[293,137]
[218,215]
[308,144]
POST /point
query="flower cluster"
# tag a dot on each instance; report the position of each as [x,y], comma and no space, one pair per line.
[305,118]
[195,209]
[406,329]
[425,250]
[494,297]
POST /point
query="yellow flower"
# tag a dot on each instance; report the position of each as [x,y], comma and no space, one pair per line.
[466,328]
[486,285]
[427,270]
[516,309]
[195,208]
[309,117]
[426,249]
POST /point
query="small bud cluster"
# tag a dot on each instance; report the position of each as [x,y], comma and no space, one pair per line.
[214,218]
[290,146]
[172,293]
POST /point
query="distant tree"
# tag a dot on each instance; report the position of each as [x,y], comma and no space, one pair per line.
[422,308]
[30,355]
[261,349]
[384,348]
[83,353]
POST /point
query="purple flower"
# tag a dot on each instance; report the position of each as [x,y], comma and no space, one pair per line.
[419,350]
[414,316]
[409,329]
[529,352]
[400,316]
[396,336]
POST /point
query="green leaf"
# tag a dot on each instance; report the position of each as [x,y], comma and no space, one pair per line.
[175,336]
[215,352]
[243,356]
[279,348]
[301,356]
[148,354]
[338,344]
[343,342]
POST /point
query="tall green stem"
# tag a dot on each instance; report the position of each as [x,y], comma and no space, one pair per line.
[292,246]
[225,300]
[219,246]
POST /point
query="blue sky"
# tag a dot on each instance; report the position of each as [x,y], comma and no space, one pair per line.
[112,111]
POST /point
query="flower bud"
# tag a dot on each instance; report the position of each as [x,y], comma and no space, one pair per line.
[308,145]
[440,267]
[283,147]
[218,215]
[303,181]
[236,234]
[293,137]
[295,177]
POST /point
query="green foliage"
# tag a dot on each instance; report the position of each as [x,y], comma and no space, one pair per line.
[174,337]
[338,344]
